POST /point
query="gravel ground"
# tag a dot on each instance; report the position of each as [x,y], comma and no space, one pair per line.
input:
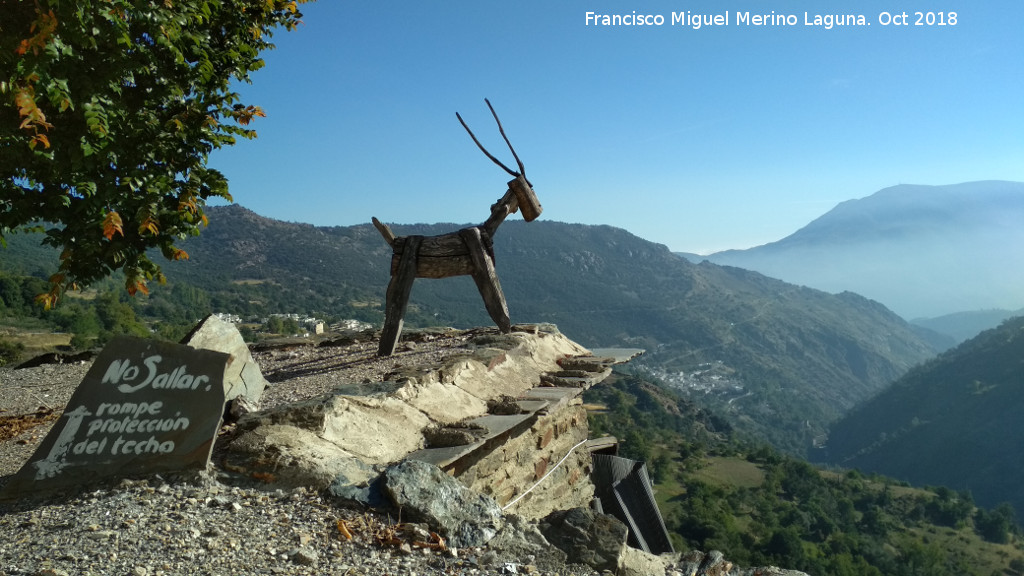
[216,523]
[203,526]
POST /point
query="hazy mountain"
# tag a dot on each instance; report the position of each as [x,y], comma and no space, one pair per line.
[801,356]
[954,421]
[923,251]
[966,325]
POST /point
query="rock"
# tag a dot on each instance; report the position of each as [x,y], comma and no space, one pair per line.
[504,405]
[587,537]
[236,408]
[446,436]
[423,491]
[242,376]
[304,556]
[697,563]
[290,457]
[634,562]
[714,564]
[519,539]
[586,363]
[367,492]
[377,428]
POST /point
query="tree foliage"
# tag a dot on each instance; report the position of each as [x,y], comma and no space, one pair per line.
[109,110]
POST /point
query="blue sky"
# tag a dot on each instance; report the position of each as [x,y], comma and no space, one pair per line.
[700,139]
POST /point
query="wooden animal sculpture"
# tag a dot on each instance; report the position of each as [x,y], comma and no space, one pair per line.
[469,251]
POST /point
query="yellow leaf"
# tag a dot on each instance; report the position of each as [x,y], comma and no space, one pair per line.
[245,115]
[49,300]
[149,224]
[39,139]
[46,300]
[111,224]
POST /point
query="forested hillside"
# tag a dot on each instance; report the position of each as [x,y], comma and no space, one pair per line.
[955,421]
[720,491]
[796,358]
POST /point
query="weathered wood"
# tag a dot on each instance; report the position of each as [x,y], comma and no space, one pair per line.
[385,231]
[469,251]
[528,201]
[508,204]
[443,246]
[397,297]
[486,278]
[436,268]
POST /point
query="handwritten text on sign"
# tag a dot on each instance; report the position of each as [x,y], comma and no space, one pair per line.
[143,407]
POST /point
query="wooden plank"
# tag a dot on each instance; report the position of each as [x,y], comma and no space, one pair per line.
[398,292]
[528,201]
[486,279]
[443,246]
[385,231]
[427,267]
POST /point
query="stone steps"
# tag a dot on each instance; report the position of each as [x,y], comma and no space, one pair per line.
[537,401]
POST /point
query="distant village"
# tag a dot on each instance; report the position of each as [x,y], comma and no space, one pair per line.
[709,378]
[295,325]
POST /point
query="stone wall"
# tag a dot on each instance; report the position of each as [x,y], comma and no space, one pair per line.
[513,467]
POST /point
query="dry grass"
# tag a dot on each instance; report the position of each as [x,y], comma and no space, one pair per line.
[41,340]
[731,472]
[36,343]
[14,426]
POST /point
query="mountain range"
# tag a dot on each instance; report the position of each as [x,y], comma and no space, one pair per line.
[779,360]
[796,358]
[923,251]
[808,370]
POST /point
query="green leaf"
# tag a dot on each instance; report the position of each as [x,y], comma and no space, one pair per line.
[123,102]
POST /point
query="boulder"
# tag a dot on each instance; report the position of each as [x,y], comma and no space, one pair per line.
[711,564]
[242,376]
[376,427]
[289,456]
[424,492]
[587,537]
[697,563]
[634,562]
[520,541]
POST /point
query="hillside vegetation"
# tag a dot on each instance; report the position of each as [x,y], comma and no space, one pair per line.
[718,490]
[953,421]
[796,358]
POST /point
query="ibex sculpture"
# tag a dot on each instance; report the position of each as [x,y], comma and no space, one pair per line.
[469,251]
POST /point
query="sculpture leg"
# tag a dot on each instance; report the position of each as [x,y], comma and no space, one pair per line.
[486,279]
[397,297]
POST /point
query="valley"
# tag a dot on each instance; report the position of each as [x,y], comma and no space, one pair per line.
[762,373]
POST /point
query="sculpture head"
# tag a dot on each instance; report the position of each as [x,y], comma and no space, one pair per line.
[519,185]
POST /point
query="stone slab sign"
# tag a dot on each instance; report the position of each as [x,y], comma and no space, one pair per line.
[242,377]
[143,407]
